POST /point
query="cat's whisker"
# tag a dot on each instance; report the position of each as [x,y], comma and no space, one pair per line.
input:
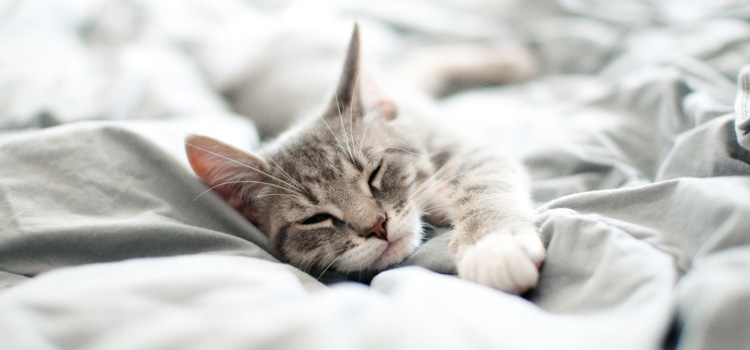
[447,167]
[248,181]
[424,201]
[399,149]
[242,164]
[436,206]
[420,193]
[202,193]
[310,264]
[306,267]
[279,194]
[294,182]
[351,111]
[338,255]
[431,181]
[362,139]
[367,125]
[370,116]
[301,92]
[262,183]
[439,206]
[334,134]
[425,226]
[343,128]
[322,117]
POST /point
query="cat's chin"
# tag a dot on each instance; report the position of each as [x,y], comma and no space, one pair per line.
[395,252]
[399,249]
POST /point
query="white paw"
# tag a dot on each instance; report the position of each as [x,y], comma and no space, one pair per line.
[508,261]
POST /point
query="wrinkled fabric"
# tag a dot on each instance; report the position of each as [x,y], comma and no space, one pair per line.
[634,132]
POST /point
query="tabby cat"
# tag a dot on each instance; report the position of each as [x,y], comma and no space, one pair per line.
[352,189]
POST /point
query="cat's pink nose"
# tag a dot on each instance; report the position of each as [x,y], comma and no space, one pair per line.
[378,230]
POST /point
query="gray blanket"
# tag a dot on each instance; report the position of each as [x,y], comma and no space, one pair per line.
[635,130]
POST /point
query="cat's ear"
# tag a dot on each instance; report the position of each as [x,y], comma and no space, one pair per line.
[236,175]
[357,89]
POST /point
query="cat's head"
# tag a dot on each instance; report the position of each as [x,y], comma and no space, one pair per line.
[341,191]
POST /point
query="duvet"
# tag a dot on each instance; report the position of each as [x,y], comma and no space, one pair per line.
[635,130]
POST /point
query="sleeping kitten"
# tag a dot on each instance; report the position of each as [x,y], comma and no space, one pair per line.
[349,190]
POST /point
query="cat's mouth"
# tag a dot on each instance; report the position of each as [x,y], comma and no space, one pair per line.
[394,252]
[409,237]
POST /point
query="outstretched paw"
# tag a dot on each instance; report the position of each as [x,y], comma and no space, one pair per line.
[508,261]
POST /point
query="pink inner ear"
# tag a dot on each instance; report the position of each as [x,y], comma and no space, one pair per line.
[206,166]
[198,161]
[227,170]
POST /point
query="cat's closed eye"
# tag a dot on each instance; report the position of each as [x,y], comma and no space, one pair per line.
[317,218]
[374,180]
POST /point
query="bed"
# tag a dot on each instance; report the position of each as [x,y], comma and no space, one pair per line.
[634,124]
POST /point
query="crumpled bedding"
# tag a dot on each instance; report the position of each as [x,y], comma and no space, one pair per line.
[635,131]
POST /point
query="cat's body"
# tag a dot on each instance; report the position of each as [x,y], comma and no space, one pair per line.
[349,190]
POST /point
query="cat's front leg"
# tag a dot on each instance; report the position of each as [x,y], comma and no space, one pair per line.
[495,241]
